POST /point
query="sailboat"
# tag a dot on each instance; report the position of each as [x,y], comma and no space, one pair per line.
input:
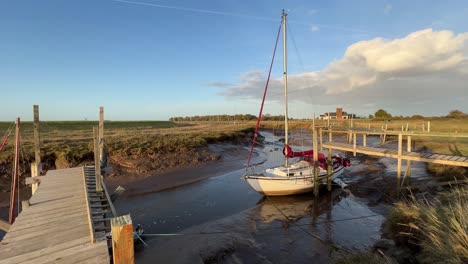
[295,177]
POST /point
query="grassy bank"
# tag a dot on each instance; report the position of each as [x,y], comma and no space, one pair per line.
[437,230]
[140,147]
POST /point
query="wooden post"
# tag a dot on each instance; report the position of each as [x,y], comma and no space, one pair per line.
[423,128]
[400,141]
[321,139]
[330,134]
[36,166]
[25,204]
[101,135]
[385,134]
[12,217]
[329,170]
[407,127]
[354,144]
[97,168]
[428,126]
[328,120]
[408,162]
[364,139]
[122,240]
[316,168]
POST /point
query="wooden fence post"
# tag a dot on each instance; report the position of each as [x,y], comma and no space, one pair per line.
[428,126]
[36,166]
[101,135]
[364,140]
[122,240]
[408,162]
[316,168]
[329,170]
[97,167]
[321,139]
[354,144]
[400,141]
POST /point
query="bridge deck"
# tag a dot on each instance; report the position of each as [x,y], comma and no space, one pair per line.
[417,156]
[56,227]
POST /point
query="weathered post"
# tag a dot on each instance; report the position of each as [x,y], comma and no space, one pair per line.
[321,138]
[364,139]
[122,240]
[354,144]
[101,134]
[408,162]
[428,126]
[316,168]
[385,134]
[36,166]
[329,169]
[400,140]
[407,126]
[97,168]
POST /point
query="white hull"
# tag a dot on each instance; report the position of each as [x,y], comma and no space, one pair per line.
[275,185]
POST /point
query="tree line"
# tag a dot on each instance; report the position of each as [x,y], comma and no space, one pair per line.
[379,114]
[238,117]
[382,114]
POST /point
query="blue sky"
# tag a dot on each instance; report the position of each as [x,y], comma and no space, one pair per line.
[151,60]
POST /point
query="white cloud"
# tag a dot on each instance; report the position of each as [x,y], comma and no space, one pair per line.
[431,66]
[315,28]
[388,8]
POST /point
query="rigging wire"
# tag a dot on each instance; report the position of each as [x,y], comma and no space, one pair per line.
[195,10]
[214,12]
[264,96]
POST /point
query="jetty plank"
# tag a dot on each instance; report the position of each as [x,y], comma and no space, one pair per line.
[56,226]
[413,156]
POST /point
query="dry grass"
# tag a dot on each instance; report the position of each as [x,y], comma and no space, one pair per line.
[73,144]
[439,228]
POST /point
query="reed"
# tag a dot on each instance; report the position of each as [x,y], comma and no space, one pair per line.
[438,230]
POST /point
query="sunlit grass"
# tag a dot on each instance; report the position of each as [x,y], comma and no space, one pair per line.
[438,228]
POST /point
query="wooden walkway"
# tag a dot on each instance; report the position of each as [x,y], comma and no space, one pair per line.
[416,156]
[56,228]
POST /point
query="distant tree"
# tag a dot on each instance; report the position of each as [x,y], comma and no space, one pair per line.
[371,116]
[382,114]
[417,117]
[457,114]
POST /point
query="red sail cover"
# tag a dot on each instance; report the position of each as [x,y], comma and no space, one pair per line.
[309,156]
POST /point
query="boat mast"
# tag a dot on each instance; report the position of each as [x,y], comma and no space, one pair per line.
[285,79]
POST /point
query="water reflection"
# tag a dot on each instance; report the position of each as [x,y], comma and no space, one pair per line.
[291,209]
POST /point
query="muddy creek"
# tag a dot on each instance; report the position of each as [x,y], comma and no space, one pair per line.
[221,219]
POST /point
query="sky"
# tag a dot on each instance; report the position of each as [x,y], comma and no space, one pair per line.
[156,59]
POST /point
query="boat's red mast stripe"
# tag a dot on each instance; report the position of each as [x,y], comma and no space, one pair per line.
[263,100]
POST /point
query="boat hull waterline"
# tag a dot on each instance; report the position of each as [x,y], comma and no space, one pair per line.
[272,185]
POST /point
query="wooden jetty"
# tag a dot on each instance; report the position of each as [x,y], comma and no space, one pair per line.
[400,153]
[58,225]
[68,217]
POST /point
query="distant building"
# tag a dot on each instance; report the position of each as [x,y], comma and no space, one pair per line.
[339,115]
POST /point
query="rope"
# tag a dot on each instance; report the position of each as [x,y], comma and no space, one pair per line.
[264,96]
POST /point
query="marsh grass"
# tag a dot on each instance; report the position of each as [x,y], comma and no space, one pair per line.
[438,229]
[70,142]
